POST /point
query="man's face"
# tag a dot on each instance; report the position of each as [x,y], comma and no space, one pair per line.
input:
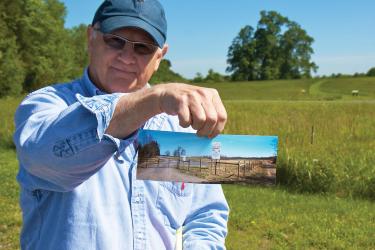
[121,70]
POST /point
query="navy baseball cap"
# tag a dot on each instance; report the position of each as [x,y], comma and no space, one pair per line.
[147,15]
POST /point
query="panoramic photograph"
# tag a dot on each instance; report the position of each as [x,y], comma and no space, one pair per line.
[185,157]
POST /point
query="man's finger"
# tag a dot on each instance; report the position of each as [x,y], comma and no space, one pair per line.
[221,115]
[198,116]
[211,119]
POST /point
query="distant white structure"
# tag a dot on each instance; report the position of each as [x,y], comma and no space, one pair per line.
[355,92]
[216,148]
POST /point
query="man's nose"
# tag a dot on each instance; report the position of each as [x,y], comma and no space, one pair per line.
[127,54]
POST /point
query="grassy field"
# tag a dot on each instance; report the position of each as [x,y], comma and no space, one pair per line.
[326,165]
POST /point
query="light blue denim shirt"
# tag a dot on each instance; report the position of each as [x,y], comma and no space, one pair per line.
[79,188]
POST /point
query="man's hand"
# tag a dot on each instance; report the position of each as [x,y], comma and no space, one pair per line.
[199,107]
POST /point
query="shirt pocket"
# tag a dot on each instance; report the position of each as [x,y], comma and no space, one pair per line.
[174,202]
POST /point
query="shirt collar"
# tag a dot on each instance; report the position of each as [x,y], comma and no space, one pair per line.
[89,85]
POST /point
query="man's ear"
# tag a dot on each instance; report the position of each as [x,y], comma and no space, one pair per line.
[160,56]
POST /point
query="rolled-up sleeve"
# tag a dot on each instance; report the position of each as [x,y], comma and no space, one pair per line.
[61,139]
[206,225]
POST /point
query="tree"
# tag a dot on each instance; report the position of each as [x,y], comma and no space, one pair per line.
[165,74]
[371,72]
[267,40]
[149,150]
[295,53]
[78,43]
[178,152]
[213,77]
[241,56]
[12,70]
[43,43]
[198,78]
[277,49]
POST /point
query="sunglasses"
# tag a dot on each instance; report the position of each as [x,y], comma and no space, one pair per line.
[118,43]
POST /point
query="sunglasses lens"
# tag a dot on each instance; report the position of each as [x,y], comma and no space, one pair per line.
[144,48]
[114,42]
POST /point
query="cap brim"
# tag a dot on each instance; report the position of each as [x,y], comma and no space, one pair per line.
[116,22]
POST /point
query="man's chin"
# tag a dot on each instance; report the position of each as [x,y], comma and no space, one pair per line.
[125,85]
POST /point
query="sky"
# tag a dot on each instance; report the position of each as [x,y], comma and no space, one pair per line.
[231,145]
[200,32]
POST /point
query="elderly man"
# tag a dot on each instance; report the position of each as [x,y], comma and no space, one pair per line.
[75,144]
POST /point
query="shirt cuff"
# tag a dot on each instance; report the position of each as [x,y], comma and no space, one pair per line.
[103,106]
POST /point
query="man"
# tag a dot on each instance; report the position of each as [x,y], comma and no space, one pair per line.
[75,144]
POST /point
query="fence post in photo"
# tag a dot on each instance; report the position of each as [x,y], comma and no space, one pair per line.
[238,171]
[215,166]
[312,134]
[244,169]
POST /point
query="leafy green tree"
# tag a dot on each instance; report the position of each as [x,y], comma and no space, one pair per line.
[267,40]
[241,56]
[277,49]
[213,77]
[78,42]
[295,53]
[43,43]
[371,72]
[198,78]
[12,70]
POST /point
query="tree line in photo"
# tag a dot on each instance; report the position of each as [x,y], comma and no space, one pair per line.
[36,49]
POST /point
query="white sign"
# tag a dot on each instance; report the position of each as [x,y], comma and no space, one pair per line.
[216,147]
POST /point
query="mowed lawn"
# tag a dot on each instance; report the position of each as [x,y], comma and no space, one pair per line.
[324,199]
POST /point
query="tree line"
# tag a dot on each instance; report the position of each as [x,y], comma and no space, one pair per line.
[36,49]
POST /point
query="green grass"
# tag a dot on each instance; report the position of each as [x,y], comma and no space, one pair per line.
[301,89]
[271,218]
[10,215]
[344,86]
[264,90]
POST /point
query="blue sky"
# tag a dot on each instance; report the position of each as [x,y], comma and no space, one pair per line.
[231,145]
[200,32]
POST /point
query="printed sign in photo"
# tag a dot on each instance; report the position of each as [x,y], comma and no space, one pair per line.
[185,157]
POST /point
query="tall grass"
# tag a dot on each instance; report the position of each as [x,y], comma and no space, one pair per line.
[8,107]
[338,156]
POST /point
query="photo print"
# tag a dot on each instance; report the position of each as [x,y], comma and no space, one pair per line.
[185,157]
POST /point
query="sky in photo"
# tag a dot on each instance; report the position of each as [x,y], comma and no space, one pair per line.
[200,32]
[231,145]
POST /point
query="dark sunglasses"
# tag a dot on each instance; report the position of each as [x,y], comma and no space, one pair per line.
[118,43]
